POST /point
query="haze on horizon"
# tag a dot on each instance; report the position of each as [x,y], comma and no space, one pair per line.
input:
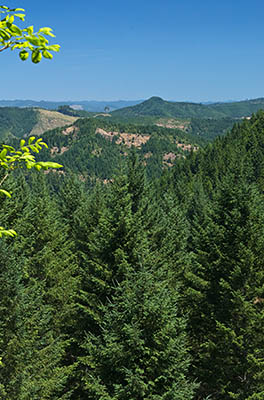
[180,51]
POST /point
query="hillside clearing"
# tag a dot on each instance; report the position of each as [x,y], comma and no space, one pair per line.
[48,120]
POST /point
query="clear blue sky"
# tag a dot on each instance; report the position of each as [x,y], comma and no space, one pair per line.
[182,50]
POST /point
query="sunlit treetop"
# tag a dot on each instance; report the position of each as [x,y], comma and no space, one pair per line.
[26,40]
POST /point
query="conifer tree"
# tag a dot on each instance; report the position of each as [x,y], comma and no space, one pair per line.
[142,351]
[10,276]
[136,179]
[35,361]
[111,242]
[70,197]
[224,285]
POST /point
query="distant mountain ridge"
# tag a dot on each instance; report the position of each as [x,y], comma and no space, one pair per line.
[153,107]
[157,107]
[87,105]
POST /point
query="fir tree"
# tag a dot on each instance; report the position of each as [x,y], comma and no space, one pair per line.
[36,364]
[142,351]
[112,239]
[223,285]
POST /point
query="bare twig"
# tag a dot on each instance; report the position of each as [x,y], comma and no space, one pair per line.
[4,48]
[4,178]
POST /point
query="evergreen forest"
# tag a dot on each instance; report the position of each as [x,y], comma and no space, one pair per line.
[130,279]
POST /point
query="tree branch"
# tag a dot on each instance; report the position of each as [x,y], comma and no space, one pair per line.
[4,178]
[4,48]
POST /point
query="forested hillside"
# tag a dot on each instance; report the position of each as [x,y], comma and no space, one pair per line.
[206,121]
[155,106]
[16,121]
[96,148]
[136,288]
[19,122]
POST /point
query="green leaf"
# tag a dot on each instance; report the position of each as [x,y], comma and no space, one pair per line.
[20,16]
[5,192]
[34,40]
[34,148]
[48,164]
[28,157]
[11,19]
[16,46]
[4,34]
[36,56]
[47,54]
[15,29]
[27,45]
[30,30]
[46,31]
[30,164]
[54,47]
[43,40]
[23,55]
[4,165]
[7,232]
[9,148]
[31,139]
[3,154]
[44,144]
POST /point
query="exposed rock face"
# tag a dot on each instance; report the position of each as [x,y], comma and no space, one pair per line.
[186,147]
[55,150]
[132,139]
[70,130]
[172,123]
[137,140]
[169,156]
[128,139]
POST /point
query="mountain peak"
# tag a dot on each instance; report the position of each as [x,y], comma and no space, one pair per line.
[155,99]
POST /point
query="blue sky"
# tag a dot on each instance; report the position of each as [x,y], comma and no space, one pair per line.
[182,50]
